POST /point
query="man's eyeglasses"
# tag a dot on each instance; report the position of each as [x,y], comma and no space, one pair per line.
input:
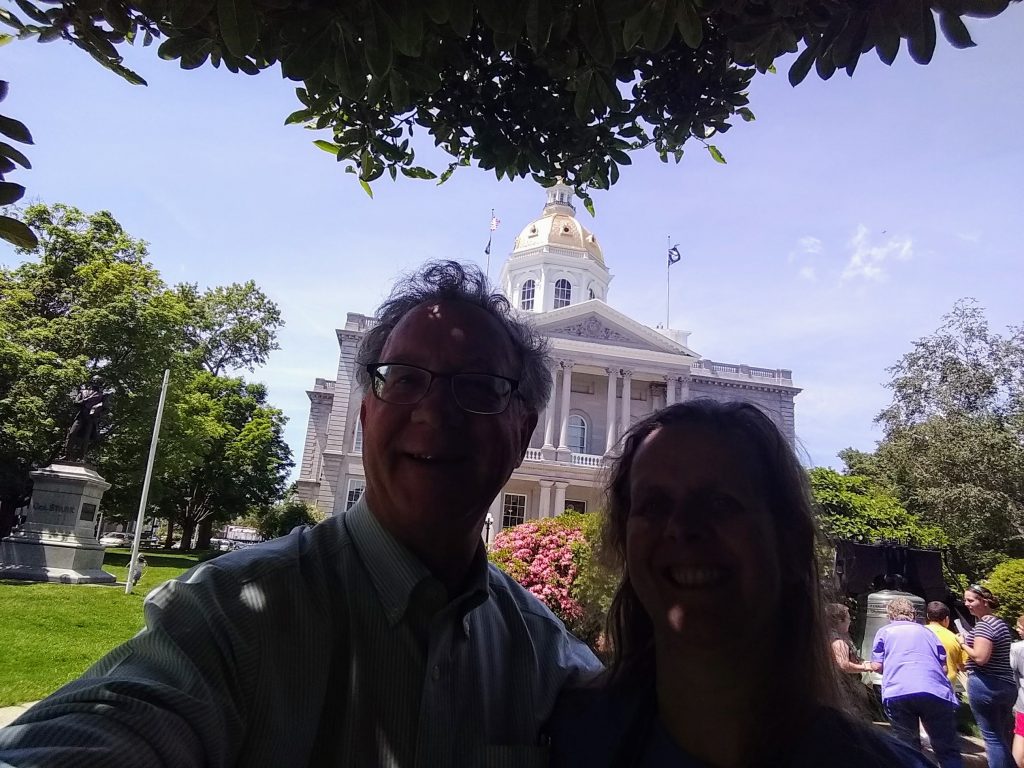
[482,393]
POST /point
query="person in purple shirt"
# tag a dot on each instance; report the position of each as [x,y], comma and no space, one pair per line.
[915,688]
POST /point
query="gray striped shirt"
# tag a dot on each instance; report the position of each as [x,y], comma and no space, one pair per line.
[333,646]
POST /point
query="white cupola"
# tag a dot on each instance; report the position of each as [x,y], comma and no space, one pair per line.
[556,261]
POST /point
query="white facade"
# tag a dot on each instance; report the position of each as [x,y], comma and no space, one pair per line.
[608,371]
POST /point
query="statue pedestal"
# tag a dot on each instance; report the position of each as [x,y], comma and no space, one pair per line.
[57,542]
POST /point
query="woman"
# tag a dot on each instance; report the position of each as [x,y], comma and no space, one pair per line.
[844,653]
[915,688]
[990,688]
[719,650]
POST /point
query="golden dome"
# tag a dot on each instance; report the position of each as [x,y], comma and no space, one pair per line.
[558,228]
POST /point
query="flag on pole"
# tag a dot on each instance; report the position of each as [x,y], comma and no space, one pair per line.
[495,221]
[673,255]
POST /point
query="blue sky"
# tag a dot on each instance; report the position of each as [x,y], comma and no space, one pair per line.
[851,214]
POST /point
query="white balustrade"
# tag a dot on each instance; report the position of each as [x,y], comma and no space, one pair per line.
[533,454]
[587,460]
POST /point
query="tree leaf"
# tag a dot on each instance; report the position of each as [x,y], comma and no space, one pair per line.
[921,46]
[14,129]
[15,232]
[659,24]
[300,116]
[8,151]
[633,30]
[377,42]
[955,31]
[327,146]
[588,203]
[746,114]
[11,20]
[36,14]
[887,45]
[803,63]
[538,24]
[583,101]
[10,193]
[716,154]
[4,89]
[460,17]
[438,11]
[239,26]
[594,32]
[691,27]
[366,187]
[188,13]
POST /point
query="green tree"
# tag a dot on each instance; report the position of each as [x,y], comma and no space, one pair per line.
[223,454]
[88,307]
[953,445]
[853,507]
[232,326]
[544,87]
[1007,583]
[281,518]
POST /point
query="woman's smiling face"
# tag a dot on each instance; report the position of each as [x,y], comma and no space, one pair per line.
[701,544]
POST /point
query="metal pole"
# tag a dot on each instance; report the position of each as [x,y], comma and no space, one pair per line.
[668,279]
[145,483]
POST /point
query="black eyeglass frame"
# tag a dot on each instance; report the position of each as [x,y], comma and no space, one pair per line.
[373,370]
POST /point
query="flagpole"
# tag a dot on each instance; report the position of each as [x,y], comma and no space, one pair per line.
[145,483]
[668,280]
[489,238]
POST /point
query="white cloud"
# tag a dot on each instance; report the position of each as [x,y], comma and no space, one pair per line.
[867,260]
[807,248]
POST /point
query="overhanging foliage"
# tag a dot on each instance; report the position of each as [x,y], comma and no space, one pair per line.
[548,88]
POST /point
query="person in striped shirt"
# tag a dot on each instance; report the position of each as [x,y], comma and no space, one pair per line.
[380,637]
[990,687]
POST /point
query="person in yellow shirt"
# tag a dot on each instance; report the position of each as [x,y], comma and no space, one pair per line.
[938,622]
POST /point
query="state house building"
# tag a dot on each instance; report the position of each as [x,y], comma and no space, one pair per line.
[609,370]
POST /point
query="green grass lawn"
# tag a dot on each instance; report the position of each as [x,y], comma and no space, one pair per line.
[50,633]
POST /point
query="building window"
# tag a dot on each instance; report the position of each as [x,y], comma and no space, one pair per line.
[357,438]
[592,294]
[356,485]
[526,294]
[575,506]
[513,510]
[577,433]
[563,293]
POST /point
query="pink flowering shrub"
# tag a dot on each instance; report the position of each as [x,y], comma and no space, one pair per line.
[554,559]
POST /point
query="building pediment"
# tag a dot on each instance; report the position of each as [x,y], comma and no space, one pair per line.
[595,321]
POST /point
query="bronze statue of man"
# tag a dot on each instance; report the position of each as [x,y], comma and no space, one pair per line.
[85,430]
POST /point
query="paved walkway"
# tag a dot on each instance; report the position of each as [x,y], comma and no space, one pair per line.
[8,714]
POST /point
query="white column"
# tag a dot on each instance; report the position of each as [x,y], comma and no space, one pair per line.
[670,390]
[563,439]
[627,386]
[560,497]
[613,377]
[549,412]
[544,510]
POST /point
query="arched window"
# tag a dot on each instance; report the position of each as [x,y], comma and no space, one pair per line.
[563,293]
[526,294]
[592,296]
[577,433]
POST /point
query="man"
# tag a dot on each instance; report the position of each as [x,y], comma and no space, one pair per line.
[938,622]
[380,637]
[915,689]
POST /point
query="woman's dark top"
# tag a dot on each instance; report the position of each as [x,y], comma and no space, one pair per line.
[998,666]
[619,728]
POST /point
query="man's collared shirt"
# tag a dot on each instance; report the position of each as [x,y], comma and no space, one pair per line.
[333,646]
